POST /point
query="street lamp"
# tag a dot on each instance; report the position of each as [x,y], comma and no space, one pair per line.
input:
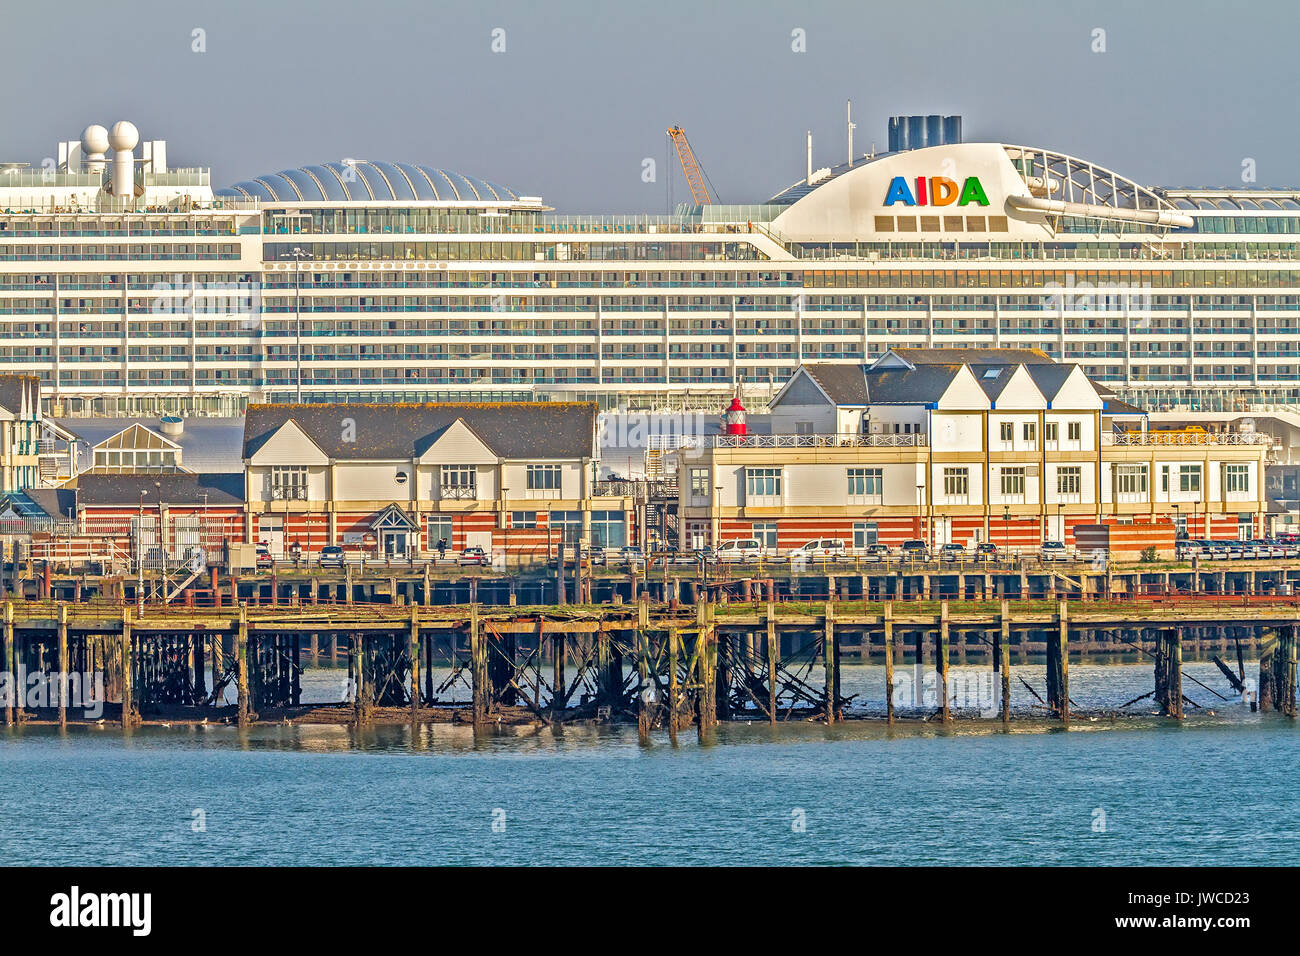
[920,510]
[1175,507]
[1006,527]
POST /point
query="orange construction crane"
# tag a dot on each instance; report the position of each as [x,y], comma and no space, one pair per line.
[694,174]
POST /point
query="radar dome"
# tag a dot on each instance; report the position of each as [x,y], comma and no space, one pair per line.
[94,139]
[124,136]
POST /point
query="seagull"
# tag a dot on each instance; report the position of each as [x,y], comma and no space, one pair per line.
[165,724]
[99,722]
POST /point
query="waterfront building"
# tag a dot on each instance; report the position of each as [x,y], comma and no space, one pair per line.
[393,480]
[962,446]
[132,287]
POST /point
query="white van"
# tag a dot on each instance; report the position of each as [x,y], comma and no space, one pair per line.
[822,548]
[741,549]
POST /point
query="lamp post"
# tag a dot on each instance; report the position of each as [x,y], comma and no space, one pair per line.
[920,511]
[1176,535]
[1006,527]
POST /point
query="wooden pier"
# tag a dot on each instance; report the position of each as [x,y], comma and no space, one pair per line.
[660,665]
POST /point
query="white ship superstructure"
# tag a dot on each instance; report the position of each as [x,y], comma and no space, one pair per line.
[131,287]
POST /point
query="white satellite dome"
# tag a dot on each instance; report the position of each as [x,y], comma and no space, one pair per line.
[94,140]
[124,136]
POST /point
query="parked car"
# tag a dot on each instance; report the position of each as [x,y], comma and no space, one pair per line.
[1185,549]
[1053,551]
[875,553]
[331,556]
[473,555]
[952,553]
[631,555]
[821,548]
[986,551]
[914,550]
[264,559]
[596,555]
[739,549]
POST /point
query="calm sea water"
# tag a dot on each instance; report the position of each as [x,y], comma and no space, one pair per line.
[1220,788]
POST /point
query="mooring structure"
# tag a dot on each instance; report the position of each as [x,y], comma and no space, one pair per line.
[669,666]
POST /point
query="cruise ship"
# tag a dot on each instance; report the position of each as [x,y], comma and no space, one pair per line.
[134,288]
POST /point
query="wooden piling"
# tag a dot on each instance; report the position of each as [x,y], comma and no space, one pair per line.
[244,706]
[1058,665]
[126,665]
[63,665]
[941,662]
[1003,656]
[413,649]
[674,653]
[14,698]
[888,615]
[706,656]
[478,668]
[773,656]
[643,715]
[1169,672]
[830,661]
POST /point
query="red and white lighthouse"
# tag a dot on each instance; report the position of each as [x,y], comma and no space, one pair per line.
[733,419]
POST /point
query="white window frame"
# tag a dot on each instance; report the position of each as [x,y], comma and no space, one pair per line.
[544,480]
[956,485]
[288,483]
[764,486]
[1009,477]
[866,486]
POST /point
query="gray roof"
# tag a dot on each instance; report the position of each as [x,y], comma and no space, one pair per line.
[55,502]
[910,386]
[179,489]
[973,355]
[207,444]
[844,384]
[401,431]
[994,378]
[12,388]
[1050,378]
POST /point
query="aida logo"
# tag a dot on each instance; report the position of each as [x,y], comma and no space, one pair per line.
[936,191]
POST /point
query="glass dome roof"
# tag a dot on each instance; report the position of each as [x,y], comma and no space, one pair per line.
[361,180]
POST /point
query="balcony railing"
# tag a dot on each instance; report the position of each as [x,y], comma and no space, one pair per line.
[1187,438]
[459,492]
[914,440]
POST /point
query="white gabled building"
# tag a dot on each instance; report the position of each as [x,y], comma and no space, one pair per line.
[965,446]
[393,480]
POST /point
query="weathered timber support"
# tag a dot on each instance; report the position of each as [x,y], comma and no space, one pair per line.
[706,657]
[1058,665]
[1277,672]
[644,695]
[413,650]
[1169,672]
[127,666]
[941,662]
[1002,656]
[478,669]
[14,695]
[244,709]
[889,660]
[831,660]
[62,674]
[773,656]
[674,691]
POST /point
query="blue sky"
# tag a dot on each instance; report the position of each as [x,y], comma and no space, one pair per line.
[584,90]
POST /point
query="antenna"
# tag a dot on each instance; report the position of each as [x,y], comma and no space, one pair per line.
[852,126]
[808,178]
